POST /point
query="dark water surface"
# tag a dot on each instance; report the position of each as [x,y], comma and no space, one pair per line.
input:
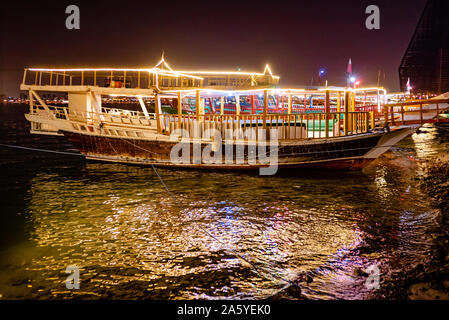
[130,240]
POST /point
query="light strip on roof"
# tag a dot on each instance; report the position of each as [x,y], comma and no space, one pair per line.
[153,70]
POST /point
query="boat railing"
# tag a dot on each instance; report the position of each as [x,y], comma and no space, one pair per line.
[120,117]
[109,78]
[124,112]
[319,109]
[235,127]
[288,126]
[298,109]
[111,115]
[414,112]
[49,111]
[230,127]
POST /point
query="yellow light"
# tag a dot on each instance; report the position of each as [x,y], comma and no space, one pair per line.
[168,73]
[370,89]
[234,92]
[267,68]
[239,73]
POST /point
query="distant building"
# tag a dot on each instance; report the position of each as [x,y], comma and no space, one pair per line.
[426,61]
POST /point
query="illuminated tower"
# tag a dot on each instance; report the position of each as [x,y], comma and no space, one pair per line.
[426,61]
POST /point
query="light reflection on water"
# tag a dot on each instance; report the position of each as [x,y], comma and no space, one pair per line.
[131,240]
[118,229]
[426,150]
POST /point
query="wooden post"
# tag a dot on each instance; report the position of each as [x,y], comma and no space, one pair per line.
[327,106]
[353,102]
[51,77]
[30,96]
[24,76]
[198,103]
[386,115]
[338,116]
[95,77]
[222,105]
[138,79]
[289,110]
[392,116]
[265,108]
[346,122]
[338,101]
[158,110]
[283,104]
[402,114]
[124,79]
[179,109]
[237,104]
[144,108]
[354,115]
[82,78]
[373,121]
[42,103]
[252,104]
[366,126]
[378,101]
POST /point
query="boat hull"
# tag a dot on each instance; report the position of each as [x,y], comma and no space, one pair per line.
[353,152]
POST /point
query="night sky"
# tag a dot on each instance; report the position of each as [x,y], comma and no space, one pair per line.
[296,38]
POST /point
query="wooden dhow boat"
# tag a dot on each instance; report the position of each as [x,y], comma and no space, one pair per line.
[219,120]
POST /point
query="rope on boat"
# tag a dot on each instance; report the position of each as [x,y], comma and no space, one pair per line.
[41,150]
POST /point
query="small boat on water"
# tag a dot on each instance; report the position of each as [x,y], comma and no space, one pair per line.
[218,119]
